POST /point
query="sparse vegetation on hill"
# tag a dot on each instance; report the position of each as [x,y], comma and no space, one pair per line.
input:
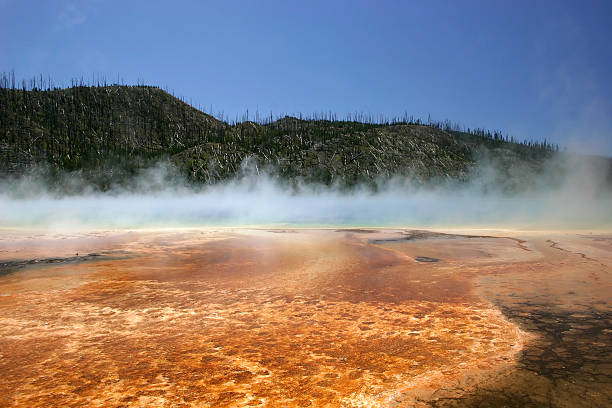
[110,132]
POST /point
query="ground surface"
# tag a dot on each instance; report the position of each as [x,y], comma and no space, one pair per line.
[305,318]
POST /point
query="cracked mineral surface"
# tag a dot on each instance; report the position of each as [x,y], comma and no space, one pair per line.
[356,317]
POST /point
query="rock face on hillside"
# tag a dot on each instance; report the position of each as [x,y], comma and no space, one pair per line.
[330,152]
[111,133]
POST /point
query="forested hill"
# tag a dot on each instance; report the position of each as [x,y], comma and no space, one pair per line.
[111,132]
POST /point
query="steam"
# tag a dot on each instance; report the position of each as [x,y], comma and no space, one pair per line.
[568,192]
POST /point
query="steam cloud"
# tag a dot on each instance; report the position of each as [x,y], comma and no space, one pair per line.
[573,192]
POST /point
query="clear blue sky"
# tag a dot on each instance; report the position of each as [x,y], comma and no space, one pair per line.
[533,69]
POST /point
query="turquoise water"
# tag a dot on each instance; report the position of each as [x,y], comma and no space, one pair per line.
[275,208]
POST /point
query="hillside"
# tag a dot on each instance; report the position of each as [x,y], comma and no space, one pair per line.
[111,132]
[81,126]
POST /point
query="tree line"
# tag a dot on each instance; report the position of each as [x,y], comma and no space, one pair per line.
[89,125]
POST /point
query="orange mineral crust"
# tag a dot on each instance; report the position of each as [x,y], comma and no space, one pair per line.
[256,317]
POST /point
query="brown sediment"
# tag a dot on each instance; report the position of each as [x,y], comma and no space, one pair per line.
[414,235]
[555,245]
[10,266]
[249,318]
[564,298]
[358,230]
[426,259]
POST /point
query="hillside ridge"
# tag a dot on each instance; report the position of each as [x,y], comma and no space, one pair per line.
[111,132]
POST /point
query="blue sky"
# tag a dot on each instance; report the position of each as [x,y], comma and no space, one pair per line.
[532,69]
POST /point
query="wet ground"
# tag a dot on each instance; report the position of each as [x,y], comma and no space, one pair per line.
[356,317]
